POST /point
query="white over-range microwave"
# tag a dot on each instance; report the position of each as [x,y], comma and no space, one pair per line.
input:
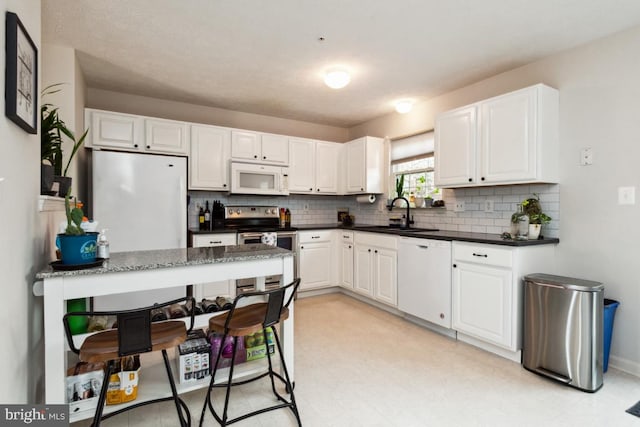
[252,178]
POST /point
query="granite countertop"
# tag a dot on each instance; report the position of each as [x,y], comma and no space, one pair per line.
[167,258]
[494,239]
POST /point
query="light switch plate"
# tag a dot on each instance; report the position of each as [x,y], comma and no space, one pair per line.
[626,195]
[586,156]
[488,205]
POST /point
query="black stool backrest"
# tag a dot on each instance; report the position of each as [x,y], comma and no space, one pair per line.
[274,299]
[134,326]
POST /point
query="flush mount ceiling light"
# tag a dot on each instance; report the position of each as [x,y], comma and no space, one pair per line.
[404,106]
[336,78]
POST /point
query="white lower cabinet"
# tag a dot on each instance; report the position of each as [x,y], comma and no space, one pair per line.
[213,289]
[487,292]
[346,259]
[376,267]
[315,259]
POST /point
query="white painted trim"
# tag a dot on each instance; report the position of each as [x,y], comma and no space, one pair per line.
[50,204]
[624,365]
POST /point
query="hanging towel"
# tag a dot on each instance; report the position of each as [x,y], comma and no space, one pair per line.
[270,239]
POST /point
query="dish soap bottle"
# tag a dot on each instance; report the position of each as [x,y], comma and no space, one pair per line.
[287,218]
[103,245]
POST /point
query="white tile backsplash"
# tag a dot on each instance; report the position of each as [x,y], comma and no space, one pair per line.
[323,209]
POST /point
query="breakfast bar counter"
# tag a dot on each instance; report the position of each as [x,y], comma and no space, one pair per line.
[136,271]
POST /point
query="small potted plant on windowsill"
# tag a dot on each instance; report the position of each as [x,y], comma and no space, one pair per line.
[52,128]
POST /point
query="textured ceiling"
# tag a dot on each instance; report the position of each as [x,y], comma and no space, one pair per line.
[264,57]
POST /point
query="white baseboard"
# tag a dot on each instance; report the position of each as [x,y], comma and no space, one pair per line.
[431,326]
[515,356]
[624,365]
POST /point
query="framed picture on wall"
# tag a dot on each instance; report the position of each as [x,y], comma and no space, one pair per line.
[21,77]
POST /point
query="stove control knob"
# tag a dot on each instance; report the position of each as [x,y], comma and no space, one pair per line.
[273,211]
[238,211]
[230,211]
[267,211]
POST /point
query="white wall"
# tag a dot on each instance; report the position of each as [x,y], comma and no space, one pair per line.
[599,86]
[21,246]
[134,104]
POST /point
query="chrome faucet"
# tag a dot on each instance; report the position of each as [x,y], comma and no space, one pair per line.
[408,221]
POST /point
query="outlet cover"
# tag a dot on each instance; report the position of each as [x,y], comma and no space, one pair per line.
[305,207]
[626,195]
[488,205]
[586,156]
[458,206]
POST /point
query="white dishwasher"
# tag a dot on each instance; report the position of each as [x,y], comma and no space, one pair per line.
[424,279]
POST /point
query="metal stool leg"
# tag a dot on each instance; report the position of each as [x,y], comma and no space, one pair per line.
[183,422]
[103,395]
[289,385]
[207,401]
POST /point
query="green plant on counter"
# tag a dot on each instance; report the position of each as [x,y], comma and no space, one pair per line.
[74,217]
[420,181]
[533,209]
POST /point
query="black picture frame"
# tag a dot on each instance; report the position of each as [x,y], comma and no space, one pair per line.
[21,76]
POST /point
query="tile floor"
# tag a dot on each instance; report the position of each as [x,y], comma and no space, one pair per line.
[359,366]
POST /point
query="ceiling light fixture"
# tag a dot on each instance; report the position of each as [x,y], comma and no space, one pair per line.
[337,78]
[404,106]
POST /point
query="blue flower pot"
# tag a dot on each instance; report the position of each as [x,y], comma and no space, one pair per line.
[77,250]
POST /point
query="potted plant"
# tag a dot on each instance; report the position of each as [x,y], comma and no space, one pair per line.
[420,199]
[76,246]
[537,218]
[52,128]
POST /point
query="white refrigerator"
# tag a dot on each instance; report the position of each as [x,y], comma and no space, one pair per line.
[141,199]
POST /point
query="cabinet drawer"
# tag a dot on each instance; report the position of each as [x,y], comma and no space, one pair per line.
[483,254]
[219,239]
[375,239]
[314,236]
[345,236]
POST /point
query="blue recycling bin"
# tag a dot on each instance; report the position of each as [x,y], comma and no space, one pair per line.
[610,306]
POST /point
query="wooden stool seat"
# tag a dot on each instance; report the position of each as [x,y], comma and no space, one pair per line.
[103,346]
[246,320]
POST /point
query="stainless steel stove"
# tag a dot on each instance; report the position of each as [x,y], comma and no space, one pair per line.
[255,222]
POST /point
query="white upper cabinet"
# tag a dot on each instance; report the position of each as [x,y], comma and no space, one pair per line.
[166,136]
[314,166]
[257,147]
[365,168]
[509,139]
[209,158]
[136,133]
[455,147]
[302,167]
[114,130]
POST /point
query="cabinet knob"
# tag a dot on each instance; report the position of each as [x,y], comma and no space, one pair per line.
[455,265]
[311,189]
[470,179]
[255,156]
[482,179]
[361,189]
[442,315]
[349,246]
[376,251]
[135,145]
[318,189]
[264,157]
[369,250]
[224,185]
[148,147]
[301,247]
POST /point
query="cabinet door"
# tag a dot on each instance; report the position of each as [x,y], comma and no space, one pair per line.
[481,302]
[302,166]
[115,130]
[275,149]
[455,147]
[362,270]
[166,136]
[315,265]
[385,274]
[209,158]
[508,142]
[245,145]
[356,166]
[326,167]
[346,267]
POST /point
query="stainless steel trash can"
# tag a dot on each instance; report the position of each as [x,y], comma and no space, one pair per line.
[563,329]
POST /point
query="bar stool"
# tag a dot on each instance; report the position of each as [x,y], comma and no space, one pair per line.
[134,334]
[243,320]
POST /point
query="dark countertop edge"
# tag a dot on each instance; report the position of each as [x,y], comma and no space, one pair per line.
[213,231]
[462,236]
